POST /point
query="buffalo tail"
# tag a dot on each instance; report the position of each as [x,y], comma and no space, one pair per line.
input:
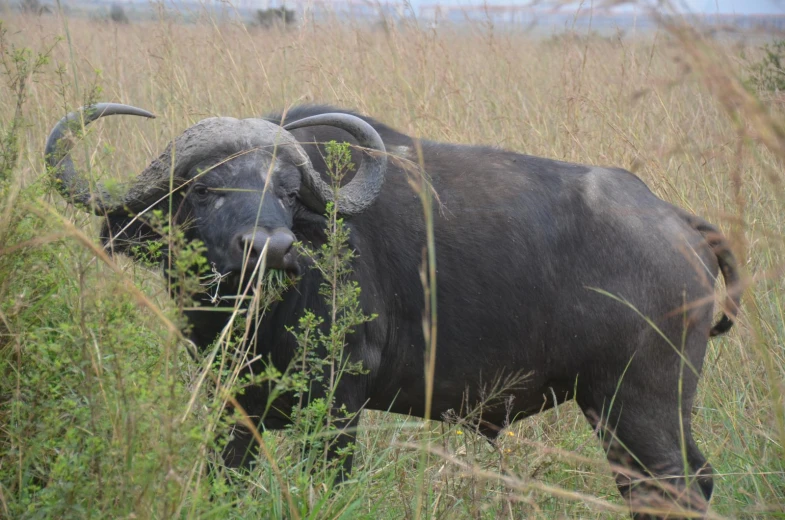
[728,266]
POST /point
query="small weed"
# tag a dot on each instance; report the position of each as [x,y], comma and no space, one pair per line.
[768,72]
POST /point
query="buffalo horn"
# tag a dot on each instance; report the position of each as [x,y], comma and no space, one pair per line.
[362,190]
[69,183]
[210,138]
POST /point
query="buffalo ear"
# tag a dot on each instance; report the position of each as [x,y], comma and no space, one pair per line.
[132,237]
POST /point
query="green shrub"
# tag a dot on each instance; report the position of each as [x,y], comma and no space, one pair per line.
[768,73]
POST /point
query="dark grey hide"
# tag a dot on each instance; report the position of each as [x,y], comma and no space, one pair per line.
[524,247]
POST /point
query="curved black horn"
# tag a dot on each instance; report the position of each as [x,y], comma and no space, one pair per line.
[362,190]
[70,184]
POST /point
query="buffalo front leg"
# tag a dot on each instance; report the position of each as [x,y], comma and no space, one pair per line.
[241,449]
[336,434]
[242,446]
[340,450]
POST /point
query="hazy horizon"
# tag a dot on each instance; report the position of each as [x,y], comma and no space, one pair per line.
[695,6]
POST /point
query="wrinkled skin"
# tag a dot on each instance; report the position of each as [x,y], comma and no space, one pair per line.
[521,242]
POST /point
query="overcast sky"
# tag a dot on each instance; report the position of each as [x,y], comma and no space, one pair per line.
[695,6]
[735,6]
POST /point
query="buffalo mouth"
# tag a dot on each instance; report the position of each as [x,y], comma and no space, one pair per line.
[233,284]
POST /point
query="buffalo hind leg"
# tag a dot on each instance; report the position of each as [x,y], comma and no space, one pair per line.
[644,444]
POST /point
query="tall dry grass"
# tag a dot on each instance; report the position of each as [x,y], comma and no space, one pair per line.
[667,105]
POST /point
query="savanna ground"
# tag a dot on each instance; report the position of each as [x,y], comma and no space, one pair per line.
[104,415]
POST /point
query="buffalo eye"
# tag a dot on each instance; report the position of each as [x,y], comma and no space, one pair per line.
[200,190]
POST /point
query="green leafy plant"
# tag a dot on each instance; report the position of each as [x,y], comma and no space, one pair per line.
[768,72]
[320,356]
[19,66]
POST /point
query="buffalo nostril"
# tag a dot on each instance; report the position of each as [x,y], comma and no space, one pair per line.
[253,243]
[280,243]
[240,245]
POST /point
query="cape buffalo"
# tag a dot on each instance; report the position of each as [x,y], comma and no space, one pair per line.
[577,275]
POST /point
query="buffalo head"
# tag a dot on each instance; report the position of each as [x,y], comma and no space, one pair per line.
[239,184]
